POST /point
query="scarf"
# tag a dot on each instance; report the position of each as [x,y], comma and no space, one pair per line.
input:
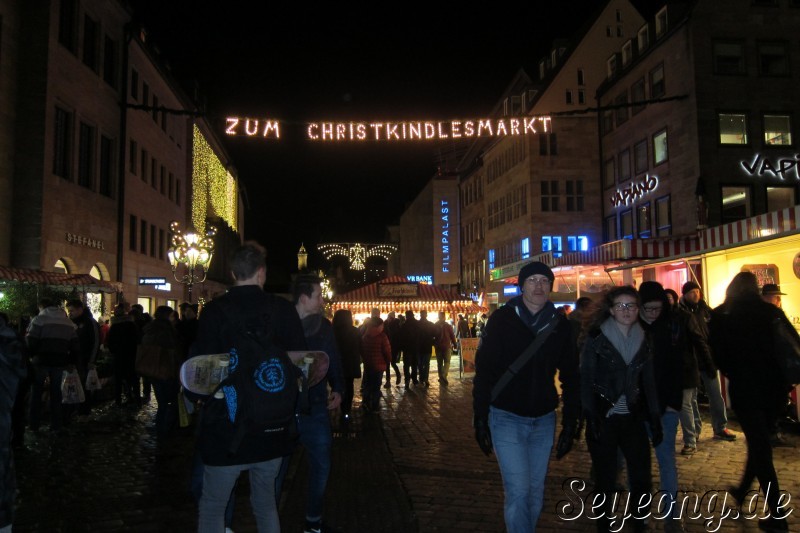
[627,348]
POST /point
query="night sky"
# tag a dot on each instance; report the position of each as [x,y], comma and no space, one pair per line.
[338,63]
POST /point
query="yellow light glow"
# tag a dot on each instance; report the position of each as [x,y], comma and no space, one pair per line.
[212,186]
[357,253]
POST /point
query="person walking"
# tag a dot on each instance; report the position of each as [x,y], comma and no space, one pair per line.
[123,338]
[392,329]
[744,343]
[514,409]
[618,395]
[161,333]
[445,343]
[426,339]
[377,354]
[348,342]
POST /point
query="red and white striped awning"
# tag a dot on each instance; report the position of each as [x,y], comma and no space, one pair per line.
[631,249]
[761,227]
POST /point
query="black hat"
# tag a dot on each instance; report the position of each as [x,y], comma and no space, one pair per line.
[689,286]
[533,268]
[652,291]
[771,289]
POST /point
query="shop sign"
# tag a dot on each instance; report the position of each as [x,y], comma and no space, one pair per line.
[82,240]
[492,298]
[445,228]
[398,290]
[511,290]
[764,273]
[634,191]
[152,281]
[427,278]
[783,168]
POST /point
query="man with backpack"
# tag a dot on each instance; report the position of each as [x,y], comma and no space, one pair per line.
[256,328]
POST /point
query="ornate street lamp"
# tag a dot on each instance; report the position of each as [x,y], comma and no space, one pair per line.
[194,252]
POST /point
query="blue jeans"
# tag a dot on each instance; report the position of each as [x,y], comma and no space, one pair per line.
[372,388]
[55,374]
[218,483]
[691,422]
[315,435]
[719,415]
[522,446]
[665,454]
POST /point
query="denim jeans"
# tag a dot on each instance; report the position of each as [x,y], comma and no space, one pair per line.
[40,374]
[667,469]
[196,487]
[372,388]
[522,446]
[690,423]
[443,362]
[719,415]
[218,482]
[315,435]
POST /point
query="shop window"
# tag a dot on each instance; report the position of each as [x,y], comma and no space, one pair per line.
[621,108]
[491,256]
[626,224]
[736,202]
[609,177]
[643,220]
[525,248]
[781,198]
[637,95]
[660,148]
[624,166]
[146,303]
[172,304]
[657,85]
[62,145]
[574,193]
[640,161]
[729,58]
[732,128]
[777,130]
[663,216]
[86,156]
[773,59]
[577,243]
[611,228]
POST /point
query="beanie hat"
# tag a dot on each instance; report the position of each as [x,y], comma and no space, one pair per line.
[652,291]
[689,286]
[533,268]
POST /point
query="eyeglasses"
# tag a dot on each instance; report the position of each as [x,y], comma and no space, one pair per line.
[653,309]
[538,281]
[630,306]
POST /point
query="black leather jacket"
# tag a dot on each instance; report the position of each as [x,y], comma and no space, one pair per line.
[605,377]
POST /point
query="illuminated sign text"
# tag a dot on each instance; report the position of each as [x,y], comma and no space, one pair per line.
[634,191]
[152,281]
[445,236]
[420,279]
[85,241]
[253,127]
[783,168]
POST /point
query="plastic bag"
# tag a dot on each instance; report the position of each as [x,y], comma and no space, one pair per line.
[92,380]
[71,388]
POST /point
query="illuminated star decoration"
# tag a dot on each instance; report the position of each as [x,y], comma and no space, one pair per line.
[357,253]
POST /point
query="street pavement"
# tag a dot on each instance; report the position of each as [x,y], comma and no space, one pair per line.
[412,467]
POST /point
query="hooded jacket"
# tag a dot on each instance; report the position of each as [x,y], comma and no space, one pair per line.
[375,349]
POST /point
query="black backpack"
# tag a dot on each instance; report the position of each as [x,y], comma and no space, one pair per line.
[260,397]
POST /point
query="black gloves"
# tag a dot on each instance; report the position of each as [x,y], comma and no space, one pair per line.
[483,435]
[565,438]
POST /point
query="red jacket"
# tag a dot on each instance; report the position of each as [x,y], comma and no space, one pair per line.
[375,349]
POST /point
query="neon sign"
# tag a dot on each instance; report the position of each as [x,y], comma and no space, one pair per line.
[395,131]
[445,235]
[761,166]
[634,191]
[426,279]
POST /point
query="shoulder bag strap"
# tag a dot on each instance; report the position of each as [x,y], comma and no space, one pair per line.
[523,359]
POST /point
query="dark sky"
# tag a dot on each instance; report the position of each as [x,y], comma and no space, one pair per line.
[325,63]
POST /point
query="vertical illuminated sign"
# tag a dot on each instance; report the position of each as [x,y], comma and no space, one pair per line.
[446,253]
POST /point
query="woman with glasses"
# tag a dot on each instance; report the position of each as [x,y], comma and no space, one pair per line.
[618,394]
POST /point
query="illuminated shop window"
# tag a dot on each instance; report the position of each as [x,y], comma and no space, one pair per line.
[777,130]
[577,243]
[660,149]
[552,243]
[732,128]
[146,303]
[61,267]
[491,259]
[735,203]
[781,198]
[525,248]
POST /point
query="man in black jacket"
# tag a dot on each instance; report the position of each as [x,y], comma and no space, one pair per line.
[522,415]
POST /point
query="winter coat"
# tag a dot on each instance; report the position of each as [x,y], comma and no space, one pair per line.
[123,338]
[702,351]
[52,338]
[349,343]
[88,337]
[319,336]
[672,349]
[375,349]
[445,337]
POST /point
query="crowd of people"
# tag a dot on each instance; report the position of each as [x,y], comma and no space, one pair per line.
[630,366]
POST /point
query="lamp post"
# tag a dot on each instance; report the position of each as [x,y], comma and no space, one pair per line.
[194,252]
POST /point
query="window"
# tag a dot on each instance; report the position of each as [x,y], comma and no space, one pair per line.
[660,149]
[67,17]
[643,38]
[569,96]
[146,303]
[609,175]
[133,153]
[657,87]
[170,192]
[626,224]
[640,161]
[542,144]
[581,80]
[627,53]
[155,109]
[143,236]
[134,84]
[735,203]
[145,94]
[781,198]
[732,128]
[553,143]
[161,244]
[549,195]
[110,62]
[86,156]
[132,237]
[178,191]
[729,58]
[624,166]
[777,130]
[577,243]
[552,243]
[663,216]
[608,121]
[621,111]
[491,256]
[62,144]
[153,172]
[525,248]
[643,221]
[152,240]
[581,96]
[611,228]
[611,66]
[637,95]
[574,195]
[772,59]
[145,161]
[163,181]
[90,35]
[106,166]
[661,22]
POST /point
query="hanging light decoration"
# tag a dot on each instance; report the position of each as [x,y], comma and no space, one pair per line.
[357,253]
